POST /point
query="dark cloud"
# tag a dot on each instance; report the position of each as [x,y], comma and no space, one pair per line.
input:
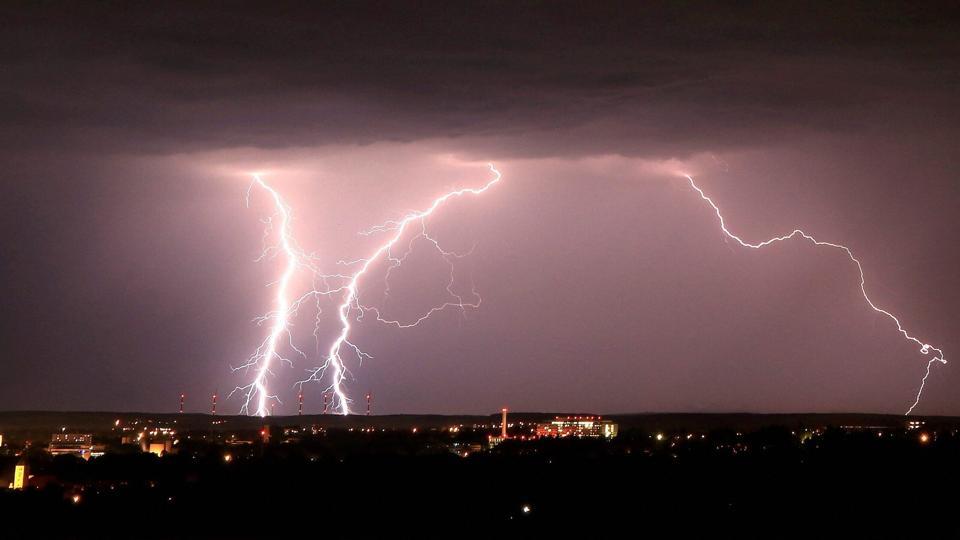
[538,78]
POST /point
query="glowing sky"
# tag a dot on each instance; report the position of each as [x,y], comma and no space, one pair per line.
[128,268]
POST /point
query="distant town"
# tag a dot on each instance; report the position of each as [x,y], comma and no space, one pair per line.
[512,470]
[87,437]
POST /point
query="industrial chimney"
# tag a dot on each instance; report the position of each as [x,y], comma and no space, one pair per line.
[503,423]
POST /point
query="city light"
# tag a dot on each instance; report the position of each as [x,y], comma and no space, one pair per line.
[19,476]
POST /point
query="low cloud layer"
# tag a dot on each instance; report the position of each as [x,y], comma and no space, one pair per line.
[528,79]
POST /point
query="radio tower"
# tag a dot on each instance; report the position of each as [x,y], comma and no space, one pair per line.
[213,409]
[325,402]
[181,403]
[300,404]
[369,399]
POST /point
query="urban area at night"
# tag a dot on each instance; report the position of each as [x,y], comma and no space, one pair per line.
[187,475]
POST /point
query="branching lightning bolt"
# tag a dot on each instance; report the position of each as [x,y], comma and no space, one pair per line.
[279,318]
[257,397]
[256,394]
[925,348]
[351,291]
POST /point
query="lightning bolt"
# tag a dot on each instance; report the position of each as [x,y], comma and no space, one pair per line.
[279,318]
[256,396]
[351,308]
[925,348]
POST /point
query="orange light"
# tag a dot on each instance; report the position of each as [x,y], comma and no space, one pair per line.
[924,438]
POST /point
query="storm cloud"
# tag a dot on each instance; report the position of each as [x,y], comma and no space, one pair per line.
[529,78]
[127,129]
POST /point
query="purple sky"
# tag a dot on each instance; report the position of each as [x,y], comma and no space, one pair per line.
[128,261]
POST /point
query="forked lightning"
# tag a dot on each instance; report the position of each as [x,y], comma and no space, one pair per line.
[346,286]
[925,348]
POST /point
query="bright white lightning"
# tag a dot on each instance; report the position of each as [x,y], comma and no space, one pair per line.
[925,348]
[351,302]
[279,317]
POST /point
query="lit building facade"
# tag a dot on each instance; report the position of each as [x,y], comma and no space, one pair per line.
[77,444]
[20,476]
[578,426]
[157,440]
[160,447]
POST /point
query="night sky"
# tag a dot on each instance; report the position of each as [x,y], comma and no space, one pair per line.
[128,262]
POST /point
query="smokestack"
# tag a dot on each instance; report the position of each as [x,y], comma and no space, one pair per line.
[369,399]
[181,403]
[300,405]
[213,409]
[503,423]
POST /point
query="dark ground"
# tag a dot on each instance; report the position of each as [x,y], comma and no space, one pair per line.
[778,481]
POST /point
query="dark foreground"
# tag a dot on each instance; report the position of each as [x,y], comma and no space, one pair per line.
[770,482]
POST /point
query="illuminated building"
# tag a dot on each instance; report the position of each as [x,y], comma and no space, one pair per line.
[20,476]
[160,448]
[494,440]
[154,440]
[76,444]
[578,426]
[465,449]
